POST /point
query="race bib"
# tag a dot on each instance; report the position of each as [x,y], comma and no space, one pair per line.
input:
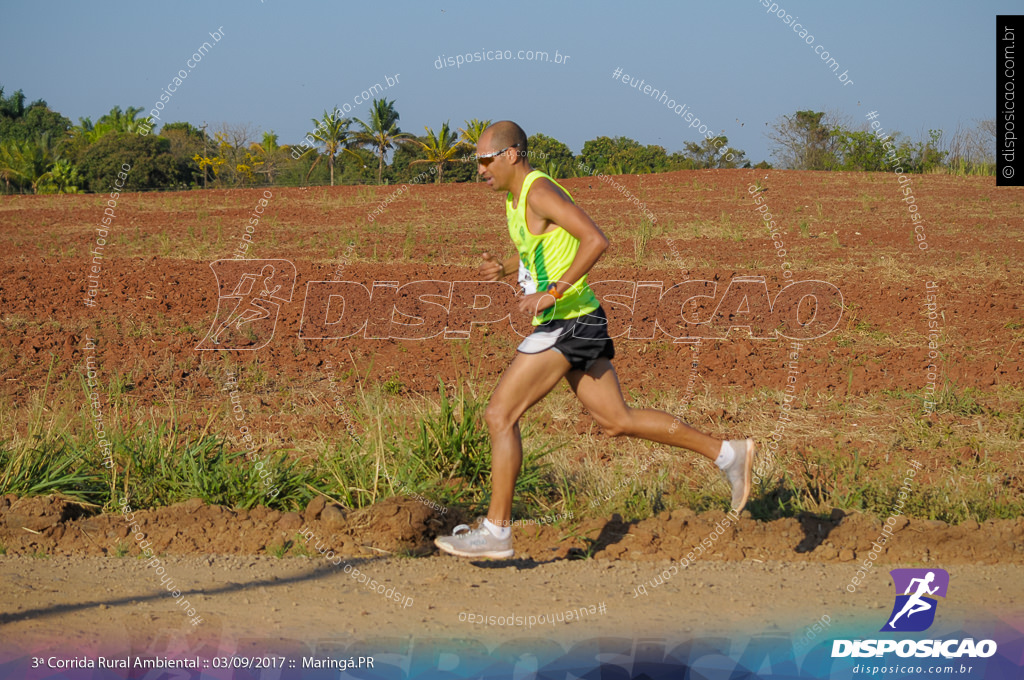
[525,280]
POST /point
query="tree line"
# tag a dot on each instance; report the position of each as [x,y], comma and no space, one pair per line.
[42,151]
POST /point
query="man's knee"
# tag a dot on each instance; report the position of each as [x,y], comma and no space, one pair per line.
[614,430]
[497,418]
[617,426]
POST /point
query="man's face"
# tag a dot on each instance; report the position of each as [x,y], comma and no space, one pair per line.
[494,165]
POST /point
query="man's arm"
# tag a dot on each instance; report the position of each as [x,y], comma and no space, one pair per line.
[549,203]
[511,265]
[495,270]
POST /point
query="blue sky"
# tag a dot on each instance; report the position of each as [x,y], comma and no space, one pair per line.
[921,65]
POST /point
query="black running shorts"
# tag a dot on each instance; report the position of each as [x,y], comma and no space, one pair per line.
[582,340]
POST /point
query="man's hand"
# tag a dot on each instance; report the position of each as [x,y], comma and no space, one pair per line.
[535,303]
[491,269]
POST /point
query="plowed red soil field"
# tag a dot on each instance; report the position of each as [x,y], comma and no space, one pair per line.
[862,383]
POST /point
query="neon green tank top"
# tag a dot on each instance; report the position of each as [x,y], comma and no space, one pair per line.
[548,256]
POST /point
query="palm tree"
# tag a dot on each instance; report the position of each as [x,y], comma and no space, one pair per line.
[334,134]
[28,163]
[621,168]
[63,178]
[123,121]
[9,163]
[267,154]
[91,132]
[553,169]
[471,134]
[474,128]
[440,148]
[115,120]
[13,106]
[382,133]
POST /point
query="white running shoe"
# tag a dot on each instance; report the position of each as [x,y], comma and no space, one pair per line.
[740,472]
[479,542]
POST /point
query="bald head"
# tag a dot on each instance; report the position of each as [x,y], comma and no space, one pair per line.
[506,133]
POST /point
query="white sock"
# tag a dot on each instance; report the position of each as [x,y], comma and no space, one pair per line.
[726,455]
[497,531]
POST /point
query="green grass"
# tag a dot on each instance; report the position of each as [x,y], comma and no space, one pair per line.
[963,402]
[444,455]
[393,385]
[827,478]
[438,446]
[642,240]
[161,469]
[298,547]
[48,467]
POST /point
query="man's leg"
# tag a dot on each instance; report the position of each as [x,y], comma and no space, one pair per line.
[528,379]
[598,389]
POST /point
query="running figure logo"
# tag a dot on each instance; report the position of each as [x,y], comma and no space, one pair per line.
[257,287]
[914,610]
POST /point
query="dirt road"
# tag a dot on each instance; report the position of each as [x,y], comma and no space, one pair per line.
[309,606]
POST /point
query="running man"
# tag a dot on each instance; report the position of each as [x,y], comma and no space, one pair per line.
[557,245]
[915,603]
[250,304]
